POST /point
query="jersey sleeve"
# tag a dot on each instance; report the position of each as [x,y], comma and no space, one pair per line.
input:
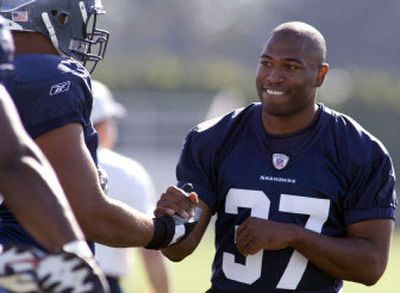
[205,146]
[57,102]
[372,190]
[195,166]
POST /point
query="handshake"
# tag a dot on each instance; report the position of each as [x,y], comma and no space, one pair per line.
[171,229]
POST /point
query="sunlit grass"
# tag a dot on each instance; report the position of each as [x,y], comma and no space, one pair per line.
[390,282]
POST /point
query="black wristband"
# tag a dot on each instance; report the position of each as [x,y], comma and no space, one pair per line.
[164,231]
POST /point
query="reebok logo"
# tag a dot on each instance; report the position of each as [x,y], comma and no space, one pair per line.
[59,88]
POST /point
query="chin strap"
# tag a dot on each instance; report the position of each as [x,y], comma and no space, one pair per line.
[83,10]
[52,32]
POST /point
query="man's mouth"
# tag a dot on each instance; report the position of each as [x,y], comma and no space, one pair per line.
[273,92]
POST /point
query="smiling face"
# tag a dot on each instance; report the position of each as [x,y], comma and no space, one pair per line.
[289,72]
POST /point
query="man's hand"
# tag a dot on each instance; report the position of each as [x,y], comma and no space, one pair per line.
[256,234]
[176,216]
[24,269]
[177,201]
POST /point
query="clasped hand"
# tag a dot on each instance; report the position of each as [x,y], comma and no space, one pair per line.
[176,201]
[256,234]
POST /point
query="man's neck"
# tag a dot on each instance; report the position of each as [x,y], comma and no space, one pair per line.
[284,125]
[32,43]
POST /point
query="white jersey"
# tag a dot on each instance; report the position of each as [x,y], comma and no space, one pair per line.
[130,183]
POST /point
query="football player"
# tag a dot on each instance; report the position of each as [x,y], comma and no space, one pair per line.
[52,91]
[30,189]
[304,196]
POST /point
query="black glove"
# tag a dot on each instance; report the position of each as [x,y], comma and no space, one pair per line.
[169,230]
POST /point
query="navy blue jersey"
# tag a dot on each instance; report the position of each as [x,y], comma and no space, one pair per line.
[337,175]
[50,92]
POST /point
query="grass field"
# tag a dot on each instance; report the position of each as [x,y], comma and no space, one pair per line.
[193,274]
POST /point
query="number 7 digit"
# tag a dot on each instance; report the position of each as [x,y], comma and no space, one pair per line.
[318,210]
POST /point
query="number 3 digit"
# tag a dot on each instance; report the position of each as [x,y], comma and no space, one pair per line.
[259,205]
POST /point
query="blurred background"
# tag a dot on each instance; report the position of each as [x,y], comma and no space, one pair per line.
[175,63]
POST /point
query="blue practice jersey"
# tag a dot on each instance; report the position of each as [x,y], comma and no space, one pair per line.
[50,92]
[337,175]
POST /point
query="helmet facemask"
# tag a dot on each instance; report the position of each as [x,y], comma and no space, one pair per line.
[96,40]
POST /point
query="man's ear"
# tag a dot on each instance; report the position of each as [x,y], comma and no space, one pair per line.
[323,70]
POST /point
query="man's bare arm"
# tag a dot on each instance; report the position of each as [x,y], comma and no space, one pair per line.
[102,219]
[360,256]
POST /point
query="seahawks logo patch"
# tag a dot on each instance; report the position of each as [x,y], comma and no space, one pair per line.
[279,161]
[59,88]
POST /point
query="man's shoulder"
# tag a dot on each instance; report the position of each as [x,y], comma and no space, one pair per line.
[220,123]
[346,124]
[49,91]
[215,130]
[209,138]
[32,68]
[352,135]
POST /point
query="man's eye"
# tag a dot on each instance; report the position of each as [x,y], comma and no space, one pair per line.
[293,67]
[266,63]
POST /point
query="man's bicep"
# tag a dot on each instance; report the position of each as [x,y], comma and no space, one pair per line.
[11,129]
[66,150]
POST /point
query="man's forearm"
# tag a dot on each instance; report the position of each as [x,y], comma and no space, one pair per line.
[123,226]
[118,225]
[349,258]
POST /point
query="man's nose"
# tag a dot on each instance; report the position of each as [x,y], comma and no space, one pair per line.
[275,75]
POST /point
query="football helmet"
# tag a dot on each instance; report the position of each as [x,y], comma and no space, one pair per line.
[71,25]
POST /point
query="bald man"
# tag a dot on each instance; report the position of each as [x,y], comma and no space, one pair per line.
[304,196]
